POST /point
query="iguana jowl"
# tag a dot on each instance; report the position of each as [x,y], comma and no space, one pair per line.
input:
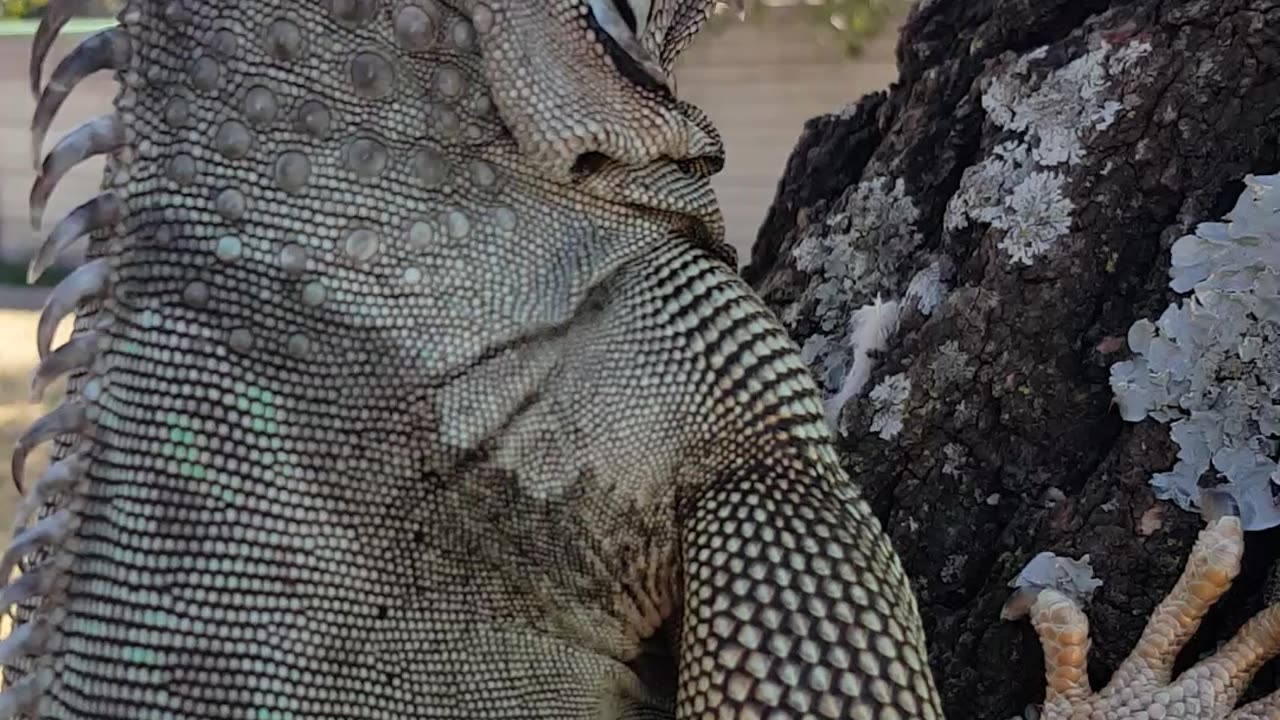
[408,381]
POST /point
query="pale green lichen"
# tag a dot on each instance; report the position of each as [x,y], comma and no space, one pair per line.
[1210,366]
[1073,578]
[956,457]
[926,289]
[889,399]
[853,257]
[1020,189]
[951,365]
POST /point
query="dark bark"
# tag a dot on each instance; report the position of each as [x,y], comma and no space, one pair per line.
[1049,465]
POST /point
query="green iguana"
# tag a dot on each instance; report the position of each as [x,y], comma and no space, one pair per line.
[409,380]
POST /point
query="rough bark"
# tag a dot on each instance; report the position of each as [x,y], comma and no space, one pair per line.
[1020,450]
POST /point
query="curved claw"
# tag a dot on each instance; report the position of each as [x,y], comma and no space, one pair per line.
[68,417]
[56,15]
[103,211]
[101,135]
[104,50]
[30,638]
[76,354]
[52,530]
[85,282]
[61,476]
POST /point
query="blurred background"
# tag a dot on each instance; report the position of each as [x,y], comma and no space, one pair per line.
[759,80]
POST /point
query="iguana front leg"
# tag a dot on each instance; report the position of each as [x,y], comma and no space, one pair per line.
[796,606]
[1143,686]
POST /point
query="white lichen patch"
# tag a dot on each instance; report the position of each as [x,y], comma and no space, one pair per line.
[955,458]
[951,365]
[1021,189]
[1040,213]
[1210,366]
[889,398]
[1073,578]
[926,289]
[854,256]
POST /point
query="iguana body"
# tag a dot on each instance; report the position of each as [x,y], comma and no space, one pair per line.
[408,381]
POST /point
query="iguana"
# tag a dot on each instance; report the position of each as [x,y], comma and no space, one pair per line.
[409,379]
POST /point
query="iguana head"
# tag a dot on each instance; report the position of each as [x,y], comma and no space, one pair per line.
[582,79]
[323,228]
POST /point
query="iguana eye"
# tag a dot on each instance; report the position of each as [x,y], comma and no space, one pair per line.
[625,22]
[635,13]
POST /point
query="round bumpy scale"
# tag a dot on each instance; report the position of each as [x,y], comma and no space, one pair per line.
[229,248]
[367,157]
[414,28]
[225,44]
[447,121]
[462,35]
[233,139]
[353,12]
[482,174]
[177,14]
[182,169]
[240,340]
[430,166]
[284,41]
[421,235]
[293,259]
[314,119]
[505,218]
[196,294]
[449,82]
[372,75]
[293,169]
[313,294]
[231,204]
[458,224]
[482,18]
[177,112]
[299,345]
[412,275]
[361,245]
[260,106]
[204,74]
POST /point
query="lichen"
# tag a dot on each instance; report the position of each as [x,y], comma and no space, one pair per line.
[856,254]
[1021,189]
[1073,578]
[956,457]
[1209,367]
[951,365]
[926,289]
[1042,212]
[889,398]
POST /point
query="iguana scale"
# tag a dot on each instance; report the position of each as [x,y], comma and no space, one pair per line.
[409,380]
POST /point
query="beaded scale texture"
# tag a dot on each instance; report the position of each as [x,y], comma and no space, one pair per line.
[409,380]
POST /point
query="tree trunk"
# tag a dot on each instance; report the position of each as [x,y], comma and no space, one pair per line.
[1026,176]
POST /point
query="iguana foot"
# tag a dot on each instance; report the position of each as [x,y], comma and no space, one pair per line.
[1142,687]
